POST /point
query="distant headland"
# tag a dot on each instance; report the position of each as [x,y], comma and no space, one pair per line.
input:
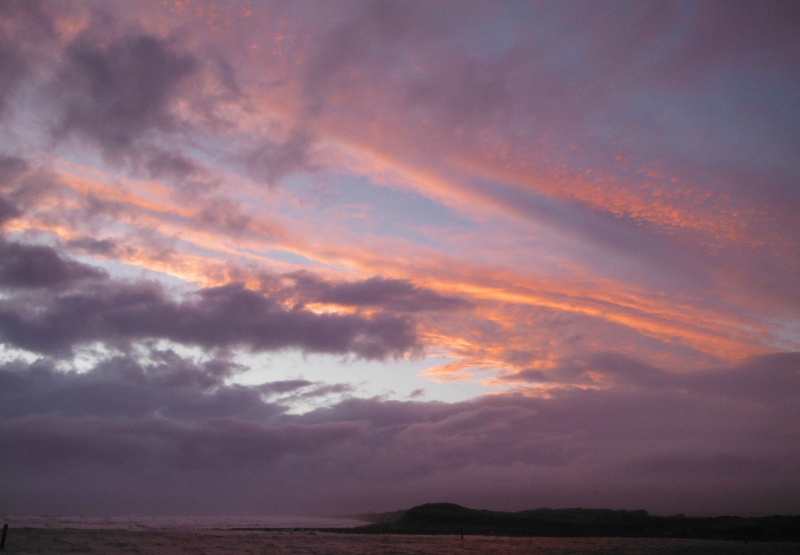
[449,518]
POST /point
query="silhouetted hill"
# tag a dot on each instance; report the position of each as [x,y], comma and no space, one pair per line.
[448,518]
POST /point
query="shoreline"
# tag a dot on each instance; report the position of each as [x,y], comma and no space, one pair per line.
[53,541]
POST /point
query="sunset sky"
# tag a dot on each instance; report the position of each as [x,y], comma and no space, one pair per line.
[289,257]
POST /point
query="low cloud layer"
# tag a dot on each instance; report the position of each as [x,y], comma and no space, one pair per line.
[161,428]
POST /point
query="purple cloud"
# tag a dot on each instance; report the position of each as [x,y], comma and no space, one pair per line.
[25,24]
[114,93]
[272,160]
[85,305]
[220,317]
[173,421]
[393,294]
[26,266]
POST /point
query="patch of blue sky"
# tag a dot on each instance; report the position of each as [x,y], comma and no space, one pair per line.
[193,247]
[136,272]
[764,109]
[553,39]
[279,255]
[369,209]
[87,157]
[719,127]
[488,40]
[669,43]
[561,235]
[787,336]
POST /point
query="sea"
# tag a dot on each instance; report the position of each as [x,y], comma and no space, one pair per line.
[177,522]
[55,535]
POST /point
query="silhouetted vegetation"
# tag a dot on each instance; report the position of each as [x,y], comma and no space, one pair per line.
[448,518]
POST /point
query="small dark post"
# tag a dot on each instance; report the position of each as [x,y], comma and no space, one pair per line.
[462,533]
[3,539]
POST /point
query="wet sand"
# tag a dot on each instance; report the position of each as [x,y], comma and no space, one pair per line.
[38,541]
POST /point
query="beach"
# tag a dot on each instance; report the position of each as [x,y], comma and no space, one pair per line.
[75,541]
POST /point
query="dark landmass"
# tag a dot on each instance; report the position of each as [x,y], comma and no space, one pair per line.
[448,518]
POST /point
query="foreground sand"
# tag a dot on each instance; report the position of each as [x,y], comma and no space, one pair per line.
[228,542]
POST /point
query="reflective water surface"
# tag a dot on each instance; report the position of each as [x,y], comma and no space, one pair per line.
[229,542]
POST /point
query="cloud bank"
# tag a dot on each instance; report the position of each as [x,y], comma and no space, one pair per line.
[172,437]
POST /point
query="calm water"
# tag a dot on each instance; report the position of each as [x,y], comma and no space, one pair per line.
[55,541]
[176,522]
[52,541]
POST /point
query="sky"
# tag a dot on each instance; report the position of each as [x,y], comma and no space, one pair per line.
[290,257]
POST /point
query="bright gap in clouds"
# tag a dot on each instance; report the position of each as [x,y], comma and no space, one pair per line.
[391,380]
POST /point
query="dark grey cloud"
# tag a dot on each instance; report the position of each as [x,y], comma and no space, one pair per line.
[170,165]
[394,294]
[167,426]
[12,68]
[115,86]
[30,15]
[24,24]
[114,90]
[7,211]
[220,317]
[33,266]
[90,245]
[224,215]
[55,304]
[127,413]
[272,160]
[58,304]
[217,445]
[25,187]
[768,378]
[165,386]
[11,167]
[161,385]
[470,92]
[370,36]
